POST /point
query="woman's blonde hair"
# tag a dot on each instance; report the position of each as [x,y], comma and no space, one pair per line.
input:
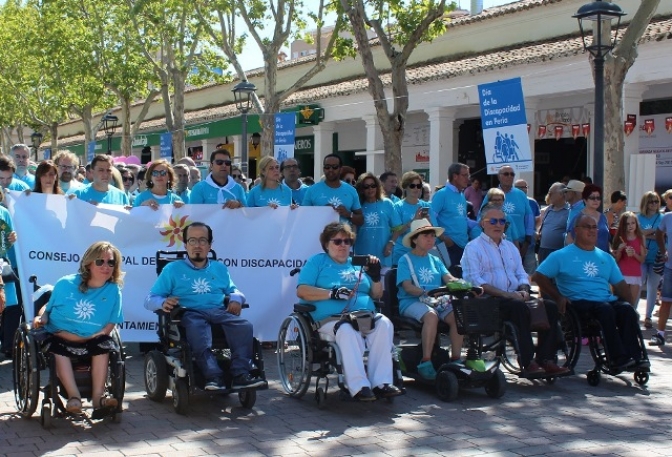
[643,203]
[495,191]
[263,165]
[96,251]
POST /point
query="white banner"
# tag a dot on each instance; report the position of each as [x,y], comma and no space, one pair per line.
[259,245]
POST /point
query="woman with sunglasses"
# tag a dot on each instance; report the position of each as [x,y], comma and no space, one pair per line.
[667,199]
[128,180]
[410,208]
[649,219]
[377,235]
[82,311]
[270,191]
[160,180]
[331,283]
[592,197]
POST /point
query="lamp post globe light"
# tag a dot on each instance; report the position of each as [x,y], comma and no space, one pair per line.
[109,127]
[242,93]
[600,14]
[36,139]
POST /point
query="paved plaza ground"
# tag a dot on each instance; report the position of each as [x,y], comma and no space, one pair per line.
[568,418]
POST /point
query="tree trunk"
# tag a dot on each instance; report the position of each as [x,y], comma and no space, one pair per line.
[53,129]
[6,139]
[126,138]
[179,146]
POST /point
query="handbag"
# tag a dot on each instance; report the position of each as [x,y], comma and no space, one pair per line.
[8,274]
[659,264]
[362,321]
[538,318]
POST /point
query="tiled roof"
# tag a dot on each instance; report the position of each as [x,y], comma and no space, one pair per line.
[660,29]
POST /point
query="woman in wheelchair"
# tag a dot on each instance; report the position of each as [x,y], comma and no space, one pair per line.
[330,282]
[418,271]
[83,310]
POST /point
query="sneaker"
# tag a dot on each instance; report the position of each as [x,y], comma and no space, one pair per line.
[554,369]
[213,385]
[533,369]
[365,395]
[657,340]
[247,381]
[387,391]
[426,370]
[648,323]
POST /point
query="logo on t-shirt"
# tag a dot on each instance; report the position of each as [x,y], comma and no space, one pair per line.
[200,286]
[348,275]
[273,201]
[334,201]
[590,269]
[508,207]
[372,219]
[84,309]
[426,275]
[460,209]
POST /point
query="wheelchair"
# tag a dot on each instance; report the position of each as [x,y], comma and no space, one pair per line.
[475,319]
[173,366]
[30,358]
[304,353]
[592,329]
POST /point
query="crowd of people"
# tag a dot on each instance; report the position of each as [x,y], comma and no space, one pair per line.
[496,239]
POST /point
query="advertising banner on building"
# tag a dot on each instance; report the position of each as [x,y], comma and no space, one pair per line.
[655,137]
[504,124]
[260,246]
[166,145]
[285,129]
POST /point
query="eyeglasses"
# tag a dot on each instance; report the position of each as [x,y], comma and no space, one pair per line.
[290,167]
[521,187]
[587,227]
[369,186]
[339,241]
[415,186]
[198,241]
[100,262]
[495,221]
[331,167]
[220,162]
[653,201]
[128,179]
[594,198]
[66,167]
[507,173]
[157,173]
[236,176]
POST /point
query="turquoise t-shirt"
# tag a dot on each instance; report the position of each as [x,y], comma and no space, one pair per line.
[184,195]
[321,271]
[648,223]
[17,184]
[450,208]
[517,209]
[281,196]
[196,288]
[298,194]
[113,196]
[319,194]
[429,270]
[582,275]
[406,213]
[7,252]
[167,199]
[27,178]
[204,193]
[379,219]
[83,314]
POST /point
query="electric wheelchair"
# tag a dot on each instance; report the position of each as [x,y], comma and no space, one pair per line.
[304,353]
[31,357]
[172,366]
[475,318]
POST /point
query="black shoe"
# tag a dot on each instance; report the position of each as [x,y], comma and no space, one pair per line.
[623,364]
[387,391]
[214,385]
[247,381]
[365,395]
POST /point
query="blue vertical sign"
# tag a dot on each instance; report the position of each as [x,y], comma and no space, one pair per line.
[504,122]
[166,141]
[285,130]
[91,153]
[47,154]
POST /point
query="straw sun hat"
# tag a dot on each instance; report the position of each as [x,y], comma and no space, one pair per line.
[419,226]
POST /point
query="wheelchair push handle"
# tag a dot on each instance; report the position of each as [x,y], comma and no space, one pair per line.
[294,271]
[456,289]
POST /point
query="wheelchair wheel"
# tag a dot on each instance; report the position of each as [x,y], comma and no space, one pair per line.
[320,398]
[26,373]
[641,377]
[570,344]
[594,377]
[181,396]
[247,398]
[496,386]
[45,415]
[446,385]
[509,355]
[156,376]
[294,355]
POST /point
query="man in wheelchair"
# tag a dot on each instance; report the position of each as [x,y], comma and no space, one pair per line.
[494,263]
[200,286]
[583,275]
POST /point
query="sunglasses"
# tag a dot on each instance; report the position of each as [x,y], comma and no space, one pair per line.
[236,176]
[415,186]
[128,179]
[495,221]
[331,167]
[653,201]
[339,241]
[220,162]
[508,173]
[290,167]
[157,173]
[369,186]
[598,198]
[100,262]
[588,227]
[350,181]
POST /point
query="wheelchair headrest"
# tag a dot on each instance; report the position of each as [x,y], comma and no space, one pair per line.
[42,295]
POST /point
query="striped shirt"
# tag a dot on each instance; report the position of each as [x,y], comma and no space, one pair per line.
[500,266]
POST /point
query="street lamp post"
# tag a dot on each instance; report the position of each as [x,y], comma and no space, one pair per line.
[36,139]
[109,126]
[600,14]
[242,93]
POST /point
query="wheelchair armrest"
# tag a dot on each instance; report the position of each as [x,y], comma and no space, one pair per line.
[304,308]
[228,298]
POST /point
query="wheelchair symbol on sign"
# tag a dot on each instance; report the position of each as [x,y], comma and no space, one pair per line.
[506,148]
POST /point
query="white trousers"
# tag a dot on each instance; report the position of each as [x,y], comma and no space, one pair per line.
[352,346]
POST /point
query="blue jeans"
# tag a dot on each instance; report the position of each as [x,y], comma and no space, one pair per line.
[651,280]
[238,333]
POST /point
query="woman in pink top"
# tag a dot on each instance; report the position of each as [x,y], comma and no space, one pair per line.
[474,195]
[630,251]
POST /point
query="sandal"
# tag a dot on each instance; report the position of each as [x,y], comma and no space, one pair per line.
[107,402]
[74,405]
